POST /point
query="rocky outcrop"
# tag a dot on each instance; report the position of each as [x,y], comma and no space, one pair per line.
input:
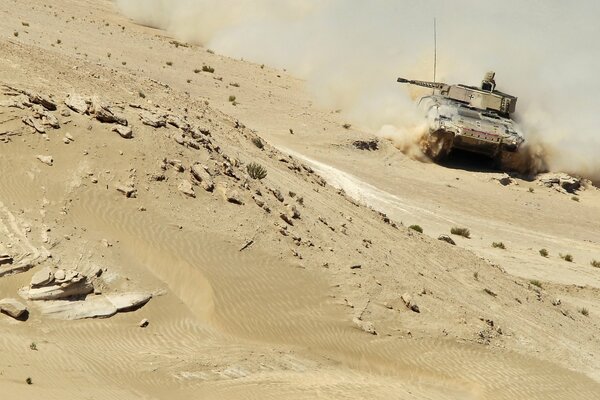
[77,103]
[49,284]
[152,119]
[561,182]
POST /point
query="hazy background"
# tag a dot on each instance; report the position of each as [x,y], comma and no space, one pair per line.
[351,51]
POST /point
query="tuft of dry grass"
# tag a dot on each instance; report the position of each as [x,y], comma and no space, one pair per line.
[567,257]
[499,245]
[416,228]
[256,171]
[536,283]
[544,253]
[464,232]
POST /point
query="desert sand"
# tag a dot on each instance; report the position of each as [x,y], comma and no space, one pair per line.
[305,284]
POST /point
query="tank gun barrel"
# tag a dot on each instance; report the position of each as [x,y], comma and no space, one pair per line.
[430,85]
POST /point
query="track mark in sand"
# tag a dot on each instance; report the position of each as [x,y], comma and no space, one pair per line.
[362,191]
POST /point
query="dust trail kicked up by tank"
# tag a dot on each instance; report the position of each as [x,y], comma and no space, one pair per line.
[350,52]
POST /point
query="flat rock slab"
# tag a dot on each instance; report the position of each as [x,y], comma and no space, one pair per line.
[13,308]
[92,307]
[103,306]
[128,301]
[59,291]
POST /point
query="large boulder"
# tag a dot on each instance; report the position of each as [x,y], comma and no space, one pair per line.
[13,308]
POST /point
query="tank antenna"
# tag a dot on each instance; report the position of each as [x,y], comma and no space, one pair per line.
[434,50]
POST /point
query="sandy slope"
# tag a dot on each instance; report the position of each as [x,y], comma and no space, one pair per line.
[273,320]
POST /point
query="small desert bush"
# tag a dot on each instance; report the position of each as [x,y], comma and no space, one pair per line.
[476,275]
[208,68]
[347,126]
[416,228]
[209,51]
[256,171]
[234,84]
[584,311]
[567,257]
[16,34]
[29,381]
[536,283]
[232,98]
[499,245]
[33,346]
[544,253]
[25,23]
[58,41]
[595,263]
[464,232]
[258,143]
[170,63]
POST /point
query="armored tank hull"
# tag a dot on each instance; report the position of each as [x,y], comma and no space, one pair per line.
[454,125]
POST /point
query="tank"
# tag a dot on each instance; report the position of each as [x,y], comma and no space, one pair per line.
[475,119]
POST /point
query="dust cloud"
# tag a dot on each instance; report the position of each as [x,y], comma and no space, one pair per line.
[351,52]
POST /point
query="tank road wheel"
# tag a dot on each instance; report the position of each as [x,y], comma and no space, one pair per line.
[437,145]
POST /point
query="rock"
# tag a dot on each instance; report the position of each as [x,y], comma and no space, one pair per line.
[60,276]
[34,124]
[177,164]
[286,218]
[128,190]
[144,323]
[447,239]
[409,303]
[152,119]
[177,122]
[556,302]
[124,131]
[128,301]
[179,139]
[5,259]
[77,103]
[277,194]
[13,308]
[106,114]
[42,100]
[370,145]
[365,326]
[233,196]
[293,211]
[91,307]
[42,278]
[504,179]
[48,160]
[186,188]
[47,118]
[201,174]
[561,182]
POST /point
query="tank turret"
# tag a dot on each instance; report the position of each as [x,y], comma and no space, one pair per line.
[485,97]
